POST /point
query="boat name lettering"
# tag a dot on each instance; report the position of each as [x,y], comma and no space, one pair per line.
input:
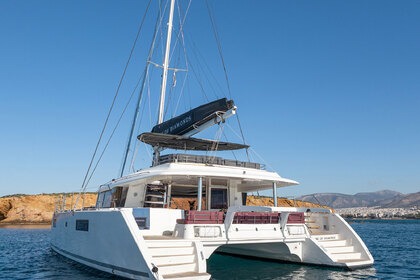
[179,124]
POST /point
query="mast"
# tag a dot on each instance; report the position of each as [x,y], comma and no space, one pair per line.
[164,76]
[166,64]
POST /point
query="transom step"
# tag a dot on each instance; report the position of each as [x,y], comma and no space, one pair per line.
[338,249]
[188,276]
[176,259]
[333,243]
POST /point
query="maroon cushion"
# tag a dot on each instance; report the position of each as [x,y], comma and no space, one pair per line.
[296,218]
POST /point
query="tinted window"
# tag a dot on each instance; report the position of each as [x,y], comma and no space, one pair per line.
[82,225]
[219,199]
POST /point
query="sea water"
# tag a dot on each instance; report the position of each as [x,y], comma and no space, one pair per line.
[395,244]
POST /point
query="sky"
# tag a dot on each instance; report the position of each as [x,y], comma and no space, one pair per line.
[328,92]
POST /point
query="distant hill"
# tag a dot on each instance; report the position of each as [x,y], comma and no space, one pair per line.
[384,199]
[405,201]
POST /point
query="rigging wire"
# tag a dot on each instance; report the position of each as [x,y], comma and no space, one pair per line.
[162,10]
[205,68]
[84,185]
[182,39]
[113,132]
[136,150]
[233,154]
[215,144]
[179,40]
[181,25]
[242,134]
[261,159]
[199,83]
[181,93]
[136,113]
[138,143]
[219,46]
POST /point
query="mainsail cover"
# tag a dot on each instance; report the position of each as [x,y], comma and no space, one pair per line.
[174,133]
[188,121]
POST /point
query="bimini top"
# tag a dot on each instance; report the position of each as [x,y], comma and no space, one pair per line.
[179,142]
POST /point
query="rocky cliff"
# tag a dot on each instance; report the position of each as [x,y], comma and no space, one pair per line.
[38,209]
[28,209]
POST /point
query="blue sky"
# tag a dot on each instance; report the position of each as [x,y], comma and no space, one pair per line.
[328,91]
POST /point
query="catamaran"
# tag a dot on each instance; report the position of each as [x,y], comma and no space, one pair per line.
[138,230]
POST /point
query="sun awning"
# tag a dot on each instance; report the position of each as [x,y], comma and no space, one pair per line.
[178,142]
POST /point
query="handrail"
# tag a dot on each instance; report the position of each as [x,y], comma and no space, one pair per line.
[174,158]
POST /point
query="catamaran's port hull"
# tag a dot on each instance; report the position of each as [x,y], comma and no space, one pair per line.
[103,240]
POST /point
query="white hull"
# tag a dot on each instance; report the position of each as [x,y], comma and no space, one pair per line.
[327,240]
[114,243]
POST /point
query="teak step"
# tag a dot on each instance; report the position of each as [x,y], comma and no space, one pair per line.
[313,226]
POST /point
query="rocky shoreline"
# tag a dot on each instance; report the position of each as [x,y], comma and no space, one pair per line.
[38,209]
[34,209]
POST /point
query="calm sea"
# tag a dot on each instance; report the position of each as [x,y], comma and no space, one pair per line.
[395,245]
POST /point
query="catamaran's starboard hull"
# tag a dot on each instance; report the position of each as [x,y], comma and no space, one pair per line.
[280,252]
[270,251]
[326,239]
